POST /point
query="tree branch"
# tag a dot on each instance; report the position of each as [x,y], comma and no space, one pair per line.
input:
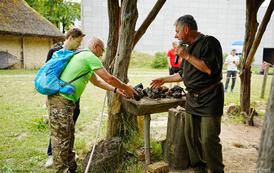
[150,17]
[260,33]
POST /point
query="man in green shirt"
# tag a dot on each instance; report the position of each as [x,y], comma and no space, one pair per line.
[201,72]
[61,105]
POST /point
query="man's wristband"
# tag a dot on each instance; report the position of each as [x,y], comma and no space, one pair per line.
[115,90]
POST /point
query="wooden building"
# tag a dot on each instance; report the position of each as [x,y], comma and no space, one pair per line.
[26,34]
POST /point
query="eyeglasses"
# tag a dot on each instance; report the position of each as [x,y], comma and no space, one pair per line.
[101,47]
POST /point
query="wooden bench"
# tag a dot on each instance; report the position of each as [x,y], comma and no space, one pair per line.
[147,106]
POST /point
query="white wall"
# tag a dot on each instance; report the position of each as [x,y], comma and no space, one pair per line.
[224,19]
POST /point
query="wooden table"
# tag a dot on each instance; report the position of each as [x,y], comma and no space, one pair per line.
[147,106]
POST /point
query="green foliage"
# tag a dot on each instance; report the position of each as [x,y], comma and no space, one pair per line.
[224,57]
[58,11]
[157,150]
[160,60]
[139,59]
[237,119]
[130,142]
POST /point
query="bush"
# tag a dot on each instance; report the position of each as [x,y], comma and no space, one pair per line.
[224,57]
[140,60]
[160,60]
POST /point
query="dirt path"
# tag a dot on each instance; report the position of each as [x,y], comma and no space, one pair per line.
[240,146]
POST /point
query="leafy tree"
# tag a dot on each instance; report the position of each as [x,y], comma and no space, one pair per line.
[57,11]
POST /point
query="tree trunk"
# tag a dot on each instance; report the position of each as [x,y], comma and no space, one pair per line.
[113,33]
[250,46]
[265,162]
[245,77]
[51,8]
[129,15]
[118,57]
[175,151]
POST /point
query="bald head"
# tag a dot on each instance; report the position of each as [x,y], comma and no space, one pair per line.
[93,41]
[96,45]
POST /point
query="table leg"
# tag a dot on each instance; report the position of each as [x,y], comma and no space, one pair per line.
[147,138]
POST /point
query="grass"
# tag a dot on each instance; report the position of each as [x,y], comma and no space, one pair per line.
[24,137]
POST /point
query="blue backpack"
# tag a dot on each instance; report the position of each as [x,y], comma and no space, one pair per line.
[47,80]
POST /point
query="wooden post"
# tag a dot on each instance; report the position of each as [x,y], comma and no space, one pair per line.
[147,138]
[22,54]
[265,79]
[249,118]
[175,151]
[141,125]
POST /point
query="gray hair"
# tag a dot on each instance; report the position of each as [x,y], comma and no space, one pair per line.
[188,20]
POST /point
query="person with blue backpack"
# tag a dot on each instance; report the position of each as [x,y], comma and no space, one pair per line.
[61,105]
[74,37]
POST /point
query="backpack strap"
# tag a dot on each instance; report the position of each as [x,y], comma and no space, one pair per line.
[79,51]
[75,79]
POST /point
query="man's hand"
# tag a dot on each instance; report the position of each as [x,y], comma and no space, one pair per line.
[121,92]
[181,52]
[130,91]
[197,63]
[156,83]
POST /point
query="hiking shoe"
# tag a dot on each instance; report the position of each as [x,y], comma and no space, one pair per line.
[231,90]
[49,162]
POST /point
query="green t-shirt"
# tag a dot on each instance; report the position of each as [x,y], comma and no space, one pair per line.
[80,64]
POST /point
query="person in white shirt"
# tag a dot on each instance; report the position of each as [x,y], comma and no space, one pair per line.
[232,62]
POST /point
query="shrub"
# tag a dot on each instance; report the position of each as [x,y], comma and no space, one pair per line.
[224,57]
[160,60]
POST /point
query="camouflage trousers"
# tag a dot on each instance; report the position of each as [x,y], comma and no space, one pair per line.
[62,133]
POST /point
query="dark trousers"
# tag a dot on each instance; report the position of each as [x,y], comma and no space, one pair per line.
[203,142]
[228,74]
[76,113]
[174,70]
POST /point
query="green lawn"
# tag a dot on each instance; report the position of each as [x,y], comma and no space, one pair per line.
[24,137]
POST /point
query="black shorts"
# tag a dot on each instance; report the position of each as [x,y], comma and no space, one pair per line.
[174,70]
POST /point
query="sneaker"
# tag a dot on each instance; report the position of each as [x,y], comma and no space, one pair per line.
[231,90]
[225,90]
[49,162]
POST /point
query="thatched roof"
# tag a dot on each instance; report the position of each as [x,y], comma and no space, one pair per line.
[18,18]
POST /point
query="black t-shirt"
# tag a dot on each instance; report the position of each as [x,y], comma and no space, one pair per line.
[52,50]
[210,102]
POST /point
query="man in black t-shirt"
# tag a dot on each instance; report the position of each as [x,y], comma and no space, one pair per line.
[201,72]
[73,40]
